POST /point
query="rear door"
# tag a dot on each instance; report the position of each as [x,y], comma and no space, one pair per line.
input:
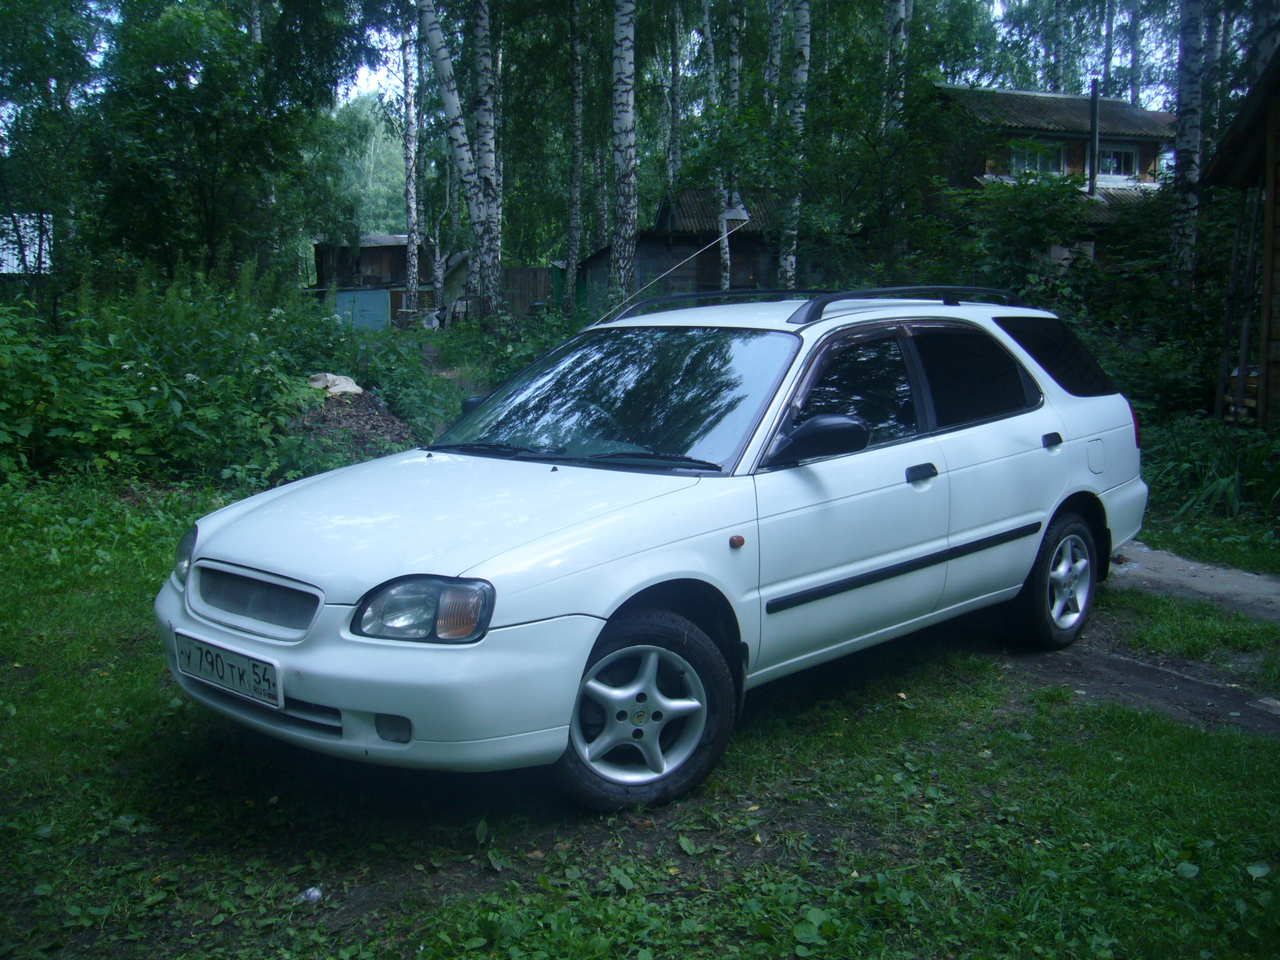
[851,545]
[1004,451]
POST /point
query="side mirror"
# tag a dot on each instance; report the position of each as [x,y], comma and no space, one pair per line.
[824,435]
[470,403]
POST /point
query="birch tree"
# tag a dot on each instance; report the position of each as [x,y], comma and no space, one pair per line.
[408,70]
[623,260]
[896,16]
[574,242]
[799,94]
[1187,138]
[476,179]
[773,60]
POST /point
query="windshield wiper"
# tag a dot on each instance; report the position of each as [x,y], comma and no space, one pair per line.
[484,446]
[676,459]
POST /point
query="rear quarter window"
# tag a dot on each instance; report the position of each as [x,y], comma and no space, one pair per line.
[1052,345]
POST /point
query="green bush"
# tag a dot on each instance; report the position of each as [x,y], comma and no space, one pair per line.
[189,379]
[1197,464]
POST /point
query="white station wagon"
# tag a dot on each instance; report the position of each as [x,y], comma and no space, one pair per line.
[597,561]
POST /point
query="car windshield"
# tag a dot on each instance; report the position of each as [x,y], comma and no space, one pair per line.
[635,396]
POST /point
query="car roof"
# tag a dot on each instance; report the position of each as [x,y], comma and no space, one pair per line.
[806,314]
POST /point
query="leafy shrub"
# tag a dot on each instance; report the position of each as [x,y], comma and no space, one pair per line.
[497,347]
[187,379]
[1196,464]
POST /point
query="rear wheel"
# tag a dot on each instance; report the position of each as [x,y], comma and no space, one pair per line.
[653,715]
[1057,598]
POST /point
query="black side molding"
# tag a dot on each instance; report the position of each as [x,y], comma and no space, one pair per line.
[778,604]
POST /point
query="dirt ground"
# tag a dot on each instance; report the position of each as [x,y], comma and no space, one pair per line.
[1097,666]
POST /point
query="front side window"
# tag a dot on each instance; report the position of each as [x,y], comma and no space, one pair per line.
[614,393]
[971,376]
[866,380]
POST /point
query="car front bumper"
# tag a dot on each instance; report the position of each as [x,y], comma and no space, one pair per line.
[497,704]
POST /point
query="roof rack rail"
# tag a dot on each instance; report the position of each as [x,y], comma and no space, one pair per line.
[950,296]
[737,293]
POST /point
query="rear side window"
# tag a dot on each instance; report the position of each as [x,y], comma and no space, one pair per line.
[1052,345]
[970,375]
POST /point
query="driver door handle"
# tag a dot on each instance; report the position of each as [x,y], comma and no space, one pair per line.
[921,471]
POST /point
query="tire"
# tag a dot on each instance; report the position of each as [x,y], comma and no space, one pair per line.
[653,714]
[1057,598]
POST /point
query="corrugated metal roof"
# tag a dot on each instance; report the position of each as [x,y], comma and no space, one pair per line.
[1021,110]
[698,211]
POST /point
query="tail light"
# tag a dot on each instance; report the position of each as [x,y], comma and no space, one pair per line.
[1137,427]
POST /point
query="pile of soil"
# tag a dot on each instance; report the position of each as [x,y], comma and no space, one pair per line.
[359,422]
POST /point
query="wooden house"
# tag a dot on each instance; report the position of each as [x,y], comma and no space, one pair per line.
[1017,131]
[1248,155]
[370,278]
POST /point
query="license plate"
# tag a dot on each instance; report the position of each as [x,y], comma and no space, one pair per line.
[250,678]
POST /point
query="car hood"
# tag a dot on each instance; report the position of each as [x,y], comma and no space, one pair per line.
[416,512]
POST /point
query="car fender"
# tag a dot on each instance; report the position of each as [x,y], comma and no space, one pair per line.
[594,568]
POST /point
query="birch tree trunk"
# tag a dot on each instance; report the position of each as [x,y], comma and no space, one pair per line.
[623,260]
[713,98]
[602,199]
[574,242]
[799,92]
[408,68]
[1187,137]
[773,61]
[1108,44]
[674,102]
[895,54]
[486,261]
[489,174]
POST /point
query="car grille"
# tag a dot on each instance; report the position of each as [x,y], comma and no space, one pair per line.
[256,599]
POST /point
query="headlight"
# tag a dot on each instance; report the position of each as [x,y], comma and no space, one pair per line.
[182,556]
[432,609]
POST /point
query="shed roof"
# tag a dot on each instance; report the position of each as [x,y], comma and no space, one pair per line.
[1238,159]
[1068,114]
[698,211]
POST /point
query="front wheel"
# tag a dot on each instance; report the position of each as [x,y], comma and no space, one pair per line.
[1057,598]
[653,715]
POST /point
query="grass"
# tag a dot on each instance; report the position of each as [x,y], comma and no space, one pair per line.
[1248,541]
[1198,630]
[911,801]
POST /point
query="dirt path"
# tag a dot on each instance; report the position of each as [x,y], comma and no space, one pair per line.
[1157,571]
[1100,666]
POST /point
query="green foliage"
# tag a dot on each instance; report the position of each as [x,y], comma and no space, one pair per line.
[190,379]
[1200,466]
[495,348]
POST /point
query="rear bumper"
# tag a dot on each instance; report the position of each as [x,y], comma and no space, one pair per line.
[501,703]
[1125,506]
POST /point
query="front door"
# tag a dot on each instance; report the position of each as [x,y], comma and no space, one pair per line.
[853,545]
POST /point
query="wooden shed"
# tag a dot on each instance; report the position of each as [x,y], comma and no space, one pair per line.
[1248,155]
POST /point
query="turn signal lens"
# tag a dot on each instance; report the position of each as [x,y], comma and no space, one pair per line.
[426,609]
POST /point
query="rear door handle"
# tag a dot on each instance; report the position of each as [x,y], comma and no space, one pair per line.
[1051,440]
[921,471]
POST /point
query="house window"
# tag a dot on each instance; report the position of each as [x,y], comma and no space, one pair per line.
[1117,162]
[1031,157]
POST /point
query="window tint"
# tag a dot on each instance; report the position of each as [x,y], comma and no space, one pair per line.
[970,375]
[1052,345]
[866,380]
